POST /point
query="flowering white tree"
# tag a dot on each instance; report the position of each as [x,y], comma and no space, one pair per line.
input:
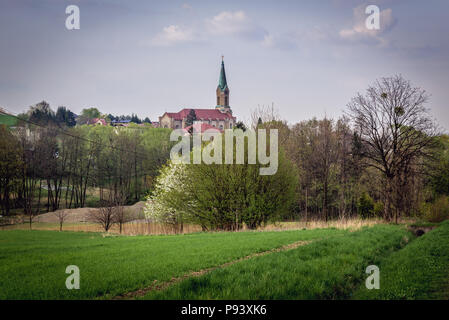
[163,205]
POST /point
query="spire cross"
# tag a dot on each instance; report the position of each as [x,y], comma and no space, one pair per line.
[222,58]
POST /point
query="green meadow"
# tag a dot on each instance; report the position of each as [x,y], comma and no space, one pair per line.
[329,264]
[330,268]
[33,263]
[419,271]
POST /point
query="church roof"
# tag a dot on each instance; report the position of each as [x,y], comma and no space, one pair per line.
[202,127]
[222,84]
[201,114]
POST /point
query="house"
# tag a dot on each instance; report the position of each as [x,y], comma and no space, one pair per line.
[97,121]
[120,123]
[219,117]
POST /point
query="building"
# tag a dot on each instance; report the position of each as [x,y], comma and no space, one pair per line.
[201,127]
[98,122]
[219,117]
[120,123]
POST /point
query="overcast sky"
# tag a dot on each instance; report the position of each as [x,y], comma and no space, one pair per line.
[307,57]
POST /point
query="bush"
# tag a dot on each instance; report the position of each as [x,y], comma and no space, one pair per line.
[438,210]
[378,209]
[365,206]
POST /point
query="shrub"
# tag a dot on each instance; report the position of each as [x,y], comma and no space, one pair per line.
[378,209]
[438,210]
[365,206]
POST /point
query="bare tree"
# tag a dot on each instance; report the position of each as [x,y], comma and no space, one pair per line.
[30,141]
[264,114]
[122,216]
[396,131]
[61,215]
[105,216]
[324,158]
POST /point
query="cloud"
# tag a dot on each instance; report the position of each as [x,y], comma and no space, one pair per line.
[186,6]
[228,23]
[298,39]
[172,35]
[360,33]
[280,41]
[268,40]
[224,24]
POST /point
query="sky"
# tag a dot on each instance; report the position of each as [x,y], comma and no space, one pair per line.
[306,58]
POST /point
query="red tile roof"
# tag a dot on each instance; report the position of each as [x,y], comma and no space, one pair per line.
[201,127]
[201,114]
[94,121]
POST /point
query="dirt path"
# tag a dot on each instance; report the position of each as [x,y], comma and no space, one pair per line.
[156,285]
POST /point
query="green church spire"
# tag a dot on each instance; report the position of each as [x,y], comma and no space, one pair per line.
[222,84]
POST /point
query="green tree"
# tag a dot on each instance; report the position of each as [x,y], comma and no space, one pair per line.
[65,116]
[439,167]
[10,166]
[42,114]
[240,125]
[87,114]
[365,205]
[224,196]
[135,118]
[191,118]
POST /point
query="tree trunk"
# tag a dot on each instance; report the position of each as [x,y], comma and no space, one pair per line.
[307,196]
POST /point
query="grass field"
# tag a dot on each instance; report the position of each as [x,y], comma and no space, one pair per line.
[329,264]
[33,263]
[419,271]
[330,268]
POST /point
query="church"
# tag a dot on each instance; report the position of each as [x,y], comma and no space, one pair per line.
[219,117]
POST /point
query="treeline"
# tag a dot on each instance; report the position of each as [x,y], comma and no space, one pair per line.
[46,167]
[338,179]
[132,118]
[42,114]
[384,158]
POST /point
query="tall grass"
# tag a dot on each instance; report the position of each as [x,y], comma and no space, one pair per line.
[150,228]
[129,228]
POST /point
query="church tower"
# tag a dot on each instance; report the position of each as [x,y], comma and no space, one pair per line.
[223,91]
